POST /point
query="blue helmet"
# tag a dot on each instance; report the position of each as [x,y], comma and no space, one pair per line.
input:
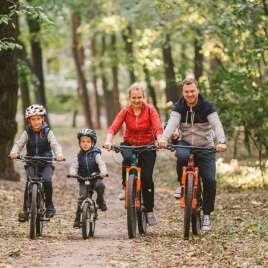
[89,133]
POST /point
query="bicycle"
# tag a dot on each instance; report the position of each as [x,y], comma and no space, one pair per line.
[88,206]
[191,190]
[136,211]
[35,203]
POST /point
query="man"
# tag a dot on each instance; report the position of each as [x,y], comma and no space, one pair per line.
[199,125]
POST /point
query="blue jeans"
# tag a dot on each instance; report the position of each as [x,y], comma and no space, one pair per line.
[206,162]
[146,161]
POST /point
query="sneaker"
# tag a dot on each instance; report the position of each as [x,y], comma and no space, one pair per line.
[50,211]
[206,223]
[151,219]
[177,193]
[77,222]
[122,195]
[103,206]
[22,217]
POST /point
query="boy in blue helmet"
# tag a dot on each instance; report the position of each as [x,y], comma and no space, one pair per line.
[40,141]
[87,161]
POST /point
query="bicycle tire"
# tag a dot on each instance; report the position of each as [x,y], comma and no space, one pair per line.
[93,218]
[188,206]
[142,219]
[196,217]
[86,214]
[131,209]
[33,211]
[40,213]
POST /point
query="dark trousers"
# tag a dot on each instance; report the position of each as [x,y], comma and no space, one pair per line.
[206,162]
[146,160]
[46,173]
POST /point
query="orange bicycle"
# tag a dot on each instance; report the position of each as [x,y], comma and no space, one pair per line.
[191,190]
[136,211]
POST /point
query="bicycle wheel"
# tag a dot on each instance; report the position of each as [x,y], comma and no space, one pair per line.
[40,212]
[93,218]
[188,206]
[85,220]
[33,212]
[196,217]
[142,219]
[131,210]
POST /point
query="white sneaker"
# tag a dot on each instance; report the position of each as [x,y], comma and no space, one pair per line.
[151,219]
[206,223]
[177,193]
[122,195]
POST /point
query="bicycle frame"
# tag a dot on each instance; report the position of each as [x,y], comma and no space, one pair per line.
[88,207]
[35,194]
[133,190]
[191,190]
[186,170]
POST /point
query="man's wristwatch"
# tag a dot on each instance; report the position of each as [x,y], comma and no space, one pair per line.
[222,142]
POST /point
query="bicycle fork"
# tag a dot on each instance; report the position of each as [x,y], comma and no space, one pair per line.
[195,186]
[91,207]
[137,170]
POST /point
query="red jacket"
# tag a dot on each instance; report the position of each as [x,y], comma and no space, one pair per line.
[141,129]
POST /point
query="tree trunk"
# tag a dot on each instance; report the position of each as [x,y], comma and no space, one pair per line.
[172,90]
[152,93]
[116,103]
[128,39]
[108,95]
[37,61]
[78,54]
[198,60]
[8,93]
[95,102]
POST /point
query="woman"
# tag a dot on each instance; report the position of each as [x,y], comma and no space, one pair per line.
[143,126]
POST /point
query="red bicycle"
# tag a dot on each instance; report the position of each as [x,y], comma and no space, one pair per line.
[191,190]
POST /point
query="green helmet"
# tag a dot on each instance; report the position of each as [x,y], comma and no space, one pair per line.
[89,133]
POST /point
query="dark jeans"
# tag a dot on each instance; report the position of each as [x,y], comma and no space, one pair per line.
[206,162]
[97,185]
[46,173]
[146,161]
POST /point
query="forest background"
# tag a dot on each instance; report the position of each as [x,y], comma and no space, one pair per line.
[79,58]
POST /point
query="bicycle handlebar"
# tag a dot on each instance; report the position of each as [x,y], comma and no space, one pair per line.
[93,176]
[119,148]
[173,147]
[37,159]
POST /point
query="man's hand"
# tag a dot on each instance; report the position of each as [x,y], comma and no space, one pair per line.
[59,158]
[13,156]
[221,147]
[162,144]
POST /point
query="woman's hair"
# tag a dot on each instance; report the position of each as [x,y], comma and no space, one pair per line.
[136,86]
[189,81]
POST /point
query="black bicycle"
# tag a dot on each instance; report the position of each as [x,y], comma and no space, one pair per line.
[191,190]
[136,211]
[35,203]
[88,206]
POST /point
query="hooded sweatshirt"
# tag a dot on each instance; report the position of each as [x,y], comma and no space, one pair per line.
[199,125]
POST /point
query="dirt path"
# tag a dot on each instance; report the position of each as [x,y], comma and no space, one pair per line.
[238,237]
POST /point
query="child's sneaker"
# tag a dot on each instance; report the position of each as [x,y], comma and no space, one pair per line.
[50,211]
[22,217]
[77,221]
[103,206]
